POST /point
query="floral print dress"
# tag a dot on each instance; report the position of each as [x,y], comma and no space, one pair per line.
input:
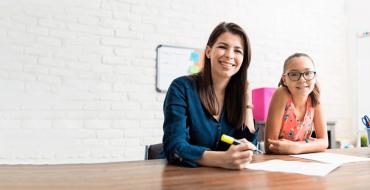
[293,129]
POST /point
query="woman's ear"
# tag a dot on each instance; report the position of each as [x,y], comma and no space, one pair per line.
[208,52]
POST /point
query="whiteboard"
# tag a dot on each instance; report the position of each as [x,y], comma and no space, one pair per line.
[363,77]
[174,61]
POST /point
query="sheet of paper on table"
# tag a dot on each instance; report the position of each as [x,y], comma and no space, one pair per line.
[331,158]
[306,168]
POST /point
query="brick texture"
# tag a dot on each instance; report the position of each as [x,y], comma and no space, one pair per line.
[77,77]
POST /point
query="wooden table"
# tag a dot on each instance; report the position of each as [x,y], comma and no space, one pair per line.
[156,174]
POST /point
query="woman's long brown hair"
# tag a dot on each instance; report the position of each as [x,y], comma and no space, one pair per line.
[235,92]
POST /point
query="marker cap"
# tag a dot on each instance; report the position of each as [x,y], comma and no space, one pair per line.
[228,139]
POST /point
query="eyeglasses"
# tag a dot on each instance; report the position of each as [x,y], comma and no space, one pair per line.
[295,75]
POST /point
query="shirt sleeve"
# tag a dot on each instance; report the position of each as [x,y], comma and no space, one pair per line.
[177,148]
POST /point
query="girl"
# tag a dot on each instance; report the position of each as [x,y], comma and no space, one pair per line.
[295,110]
[199,108]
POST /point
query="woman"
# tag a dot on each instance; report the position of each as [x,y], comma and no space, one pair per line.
[199,108]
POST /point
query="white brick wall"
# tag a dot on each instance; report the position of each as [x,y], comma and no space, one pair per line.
[77,77]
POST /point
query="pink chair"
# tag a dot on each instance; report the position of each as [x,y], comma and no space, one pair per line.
[261,102]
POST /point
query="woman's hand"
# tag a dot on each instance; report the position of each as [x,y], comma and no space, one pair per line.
[283,146]
[237,156]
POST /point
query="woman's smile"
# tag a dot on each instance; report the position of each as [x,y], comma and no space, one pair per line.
[227,65]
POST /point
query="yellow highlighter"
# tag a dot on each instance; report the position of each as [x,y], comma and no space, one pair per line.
[230,140]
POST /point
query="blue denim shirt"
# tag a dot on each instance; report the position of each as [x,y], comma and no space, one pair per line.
[188,129]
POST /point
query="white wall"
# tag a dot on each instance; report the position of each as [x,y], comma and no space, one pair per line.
[77,77]
[359,58]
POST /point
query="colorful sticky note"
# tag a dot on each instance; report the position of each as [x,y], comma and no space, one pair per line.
[193,69]
[194,56]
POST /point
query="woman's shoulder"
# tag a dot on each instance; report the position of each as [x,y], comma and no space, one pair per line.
[183,82]
[183,79]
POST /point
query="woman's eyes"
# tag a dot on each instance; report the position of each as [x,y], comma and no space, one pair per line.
[239,51]
[222,47]
[236,50]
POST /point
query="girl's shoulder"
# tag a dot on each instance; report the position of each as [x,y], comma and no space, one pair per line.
[282,94]
[280,98]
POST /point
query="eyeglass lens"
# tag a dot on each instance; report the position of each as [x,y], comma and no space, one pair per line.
[308,75]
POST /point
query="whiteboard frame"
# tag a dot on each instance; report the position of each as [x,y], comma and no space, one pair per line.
[157,66]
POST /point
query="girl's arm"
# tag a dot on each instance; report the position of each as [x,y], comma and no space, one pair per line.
[321,142]
[275,116]
[283,146]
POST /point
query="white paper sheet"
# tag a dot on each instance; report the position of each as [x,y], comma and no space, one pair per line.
[331,158]
[306,168]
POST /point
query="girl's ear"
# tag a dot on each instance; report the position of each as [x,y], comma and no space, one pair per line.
[283,79]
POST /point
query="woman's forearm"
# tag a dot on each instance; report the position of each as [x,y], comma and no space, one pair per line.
[211,158]
[249,120]
[236,157]
[249,111]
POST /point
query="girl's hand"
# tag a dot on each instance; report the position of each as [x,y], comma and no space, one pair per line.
[283,146]
[237,156]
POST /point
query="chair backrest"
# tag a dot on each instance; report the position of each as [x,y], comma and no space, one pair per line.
[152,151]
